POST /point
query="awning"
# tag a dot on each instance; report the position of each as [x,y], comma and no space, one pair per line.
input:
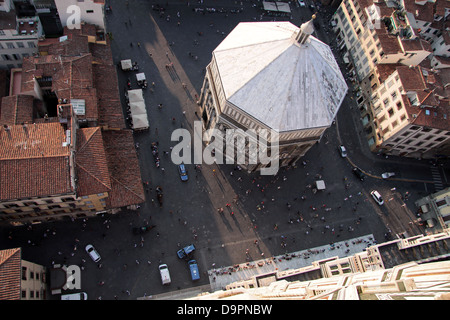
[320,184]
[140,121]
[135,95]
[126,64]
[140,76]
[137,109]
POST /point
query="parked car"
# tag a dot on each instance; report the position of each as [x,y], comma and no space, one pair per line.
[193,268]
[183,173]
[387,175]
[74,296]
[377,197]
[342,151]
[93,253]
[143,229]
[301,3]
[186,251]
[165,274]
[357,172]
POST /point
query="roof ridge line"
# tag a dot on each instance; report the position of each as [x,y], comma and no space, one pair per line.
[89,139]
[257,73]
[126,187]
[90,174]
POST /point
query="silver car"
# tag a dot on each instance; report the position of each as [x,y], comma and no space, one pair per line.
[377,197]
[92,253]
[342,151]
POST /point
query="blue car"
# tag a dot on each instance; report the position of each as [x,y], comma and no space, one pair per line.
[193,268]
[186,251]
[183,173]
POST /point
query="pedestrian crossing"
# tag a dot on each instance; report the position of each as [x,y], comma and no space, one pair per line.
[437,178]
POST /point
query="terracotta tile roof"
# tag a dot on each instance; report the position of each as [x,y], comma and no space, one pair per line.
[446,36]
[16,109]
[79,69]
[8,20]
[440,7]
[430,117]
[33,161]
[123,164]
[417,44]
[424,12]
[91,164]
[411,78]
[74,45]
[433,111]
[109,107]
[385,70]
[10,274]
[74,80]
[71,78]
[365,3]
[105,161]
[389,43]
[101,53]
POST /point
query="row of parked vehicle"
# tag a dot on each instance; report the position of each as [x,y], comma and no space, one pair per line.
[185,254]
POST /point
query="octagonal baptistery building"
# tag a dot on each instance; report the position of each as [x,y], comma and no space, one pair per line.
[274,76]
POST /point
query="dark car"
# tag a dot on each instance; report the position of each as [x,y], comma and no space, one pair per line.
[157,7]
[186,251]
[141,230]
[357,172]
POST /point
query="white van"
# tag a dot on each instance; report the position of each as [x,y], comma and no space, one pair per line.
[74,296]
[165,275]
[377,197]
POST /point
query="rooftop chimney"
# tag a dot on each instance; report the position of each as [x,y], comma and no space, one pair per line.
[7,130]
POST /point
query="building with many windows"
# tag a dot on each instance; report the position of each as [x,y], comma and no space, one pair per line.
[370,33]
[21,279]
[89,11]
[396,54]
[402,269]
[435,210]
[409,110]
[64,146]
[429,18]
[20,30]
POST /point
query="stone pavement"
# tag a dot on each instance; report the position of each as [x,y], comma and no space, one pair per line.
[220,277]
